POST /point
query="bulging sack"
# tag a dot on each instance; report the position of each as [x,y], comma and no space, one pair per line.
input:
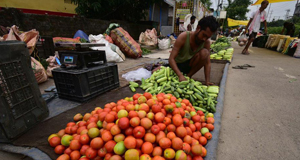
[164,43]
[52,65]
[148,38]
[126,43]
[29,37]
[297,52]
[39,71]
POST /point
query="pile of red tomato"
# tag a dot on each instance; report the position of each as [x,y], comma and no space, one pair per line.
[142,127]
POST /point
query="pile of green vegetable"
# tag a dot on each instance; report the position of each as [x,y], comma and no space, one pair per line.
[223,54]
[220,44]
[165,80]
[145,51]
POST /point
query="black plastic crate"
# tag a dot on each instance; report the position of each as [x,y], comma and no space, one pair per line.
[82,85]
[45,47]
[22,105]
[82,59]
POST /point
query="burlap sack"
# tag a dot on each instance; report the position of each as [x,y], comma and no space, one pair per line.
[38,70]
[52,64]
[148,38]
[30,37]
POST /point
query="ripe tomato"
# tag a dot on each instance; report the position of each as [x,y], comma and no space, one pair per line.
[59,149]
[139,132]
[54,141]
[84,139]
[91,153]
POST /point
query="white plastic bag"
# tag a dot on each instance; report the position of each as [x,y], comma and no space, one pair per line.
[243,38]
[164,43]
[111,56]
[137,75]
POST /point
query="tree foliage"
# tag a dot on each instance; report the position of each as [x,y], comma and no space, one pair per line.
[207,3]
[237,9]
[129,10]
[277,23]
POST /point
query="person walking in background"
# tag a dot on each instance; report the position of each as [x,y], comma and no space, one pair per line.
[190,27]
[290,29]
[254,24]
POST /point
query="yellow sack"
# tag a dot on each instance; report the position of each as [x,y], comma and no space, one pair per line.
[270,39]
[287,43]
[277,39]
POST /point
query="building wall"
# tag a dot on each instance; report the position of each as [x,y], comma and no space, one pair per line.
[164,8]
[58,26]
[63,6]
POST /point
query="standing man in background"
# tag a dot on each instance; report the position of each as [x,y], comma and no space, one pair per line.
[290,29]
[190,26]
[254,24]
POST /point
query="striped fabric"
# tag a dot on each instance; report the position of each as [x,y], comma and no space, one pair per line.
[126,43]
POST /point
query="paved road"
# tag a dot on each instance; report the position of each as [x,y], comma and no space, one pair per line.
[261,113]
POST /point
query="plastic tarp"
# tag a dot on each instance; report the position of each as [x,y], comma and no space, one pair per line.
[232,22]
[258,2]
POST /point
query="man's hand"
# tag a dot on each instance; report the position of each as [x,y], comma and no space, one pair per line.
[209,83]
[182,78]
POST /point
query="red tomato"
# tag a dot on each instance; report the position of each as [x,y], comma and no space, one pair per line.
[139,132]
[91,153]
[84,139]
[59,149]
[75,155]
[54,141]
[75,145]
[83,149]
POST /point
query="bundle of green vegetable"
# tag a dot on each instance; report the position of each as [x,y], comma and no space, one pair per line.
[223,54]
[216,47]
[222,39]
[165,80]
[145,51]
[220,44]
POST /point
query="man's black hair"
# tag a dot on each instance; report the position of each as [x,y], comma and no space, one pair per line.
[285,23]
[264,2]
[193,17]
[210,22]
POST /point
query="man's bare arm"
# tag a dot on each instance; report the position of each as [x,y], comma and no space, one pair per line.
[177,46]
[266,29]
[189,27]
[282,30]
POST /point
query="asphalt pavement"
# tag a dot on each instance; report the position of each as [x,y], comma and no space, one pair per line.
[261,111]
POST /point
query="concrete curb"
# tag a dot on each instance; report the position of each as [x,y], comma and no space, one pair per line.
[212,144]
[31,152]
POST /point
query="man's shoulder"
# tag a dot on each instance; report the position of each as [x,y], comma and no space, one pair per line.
[182,35]
[252,14]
